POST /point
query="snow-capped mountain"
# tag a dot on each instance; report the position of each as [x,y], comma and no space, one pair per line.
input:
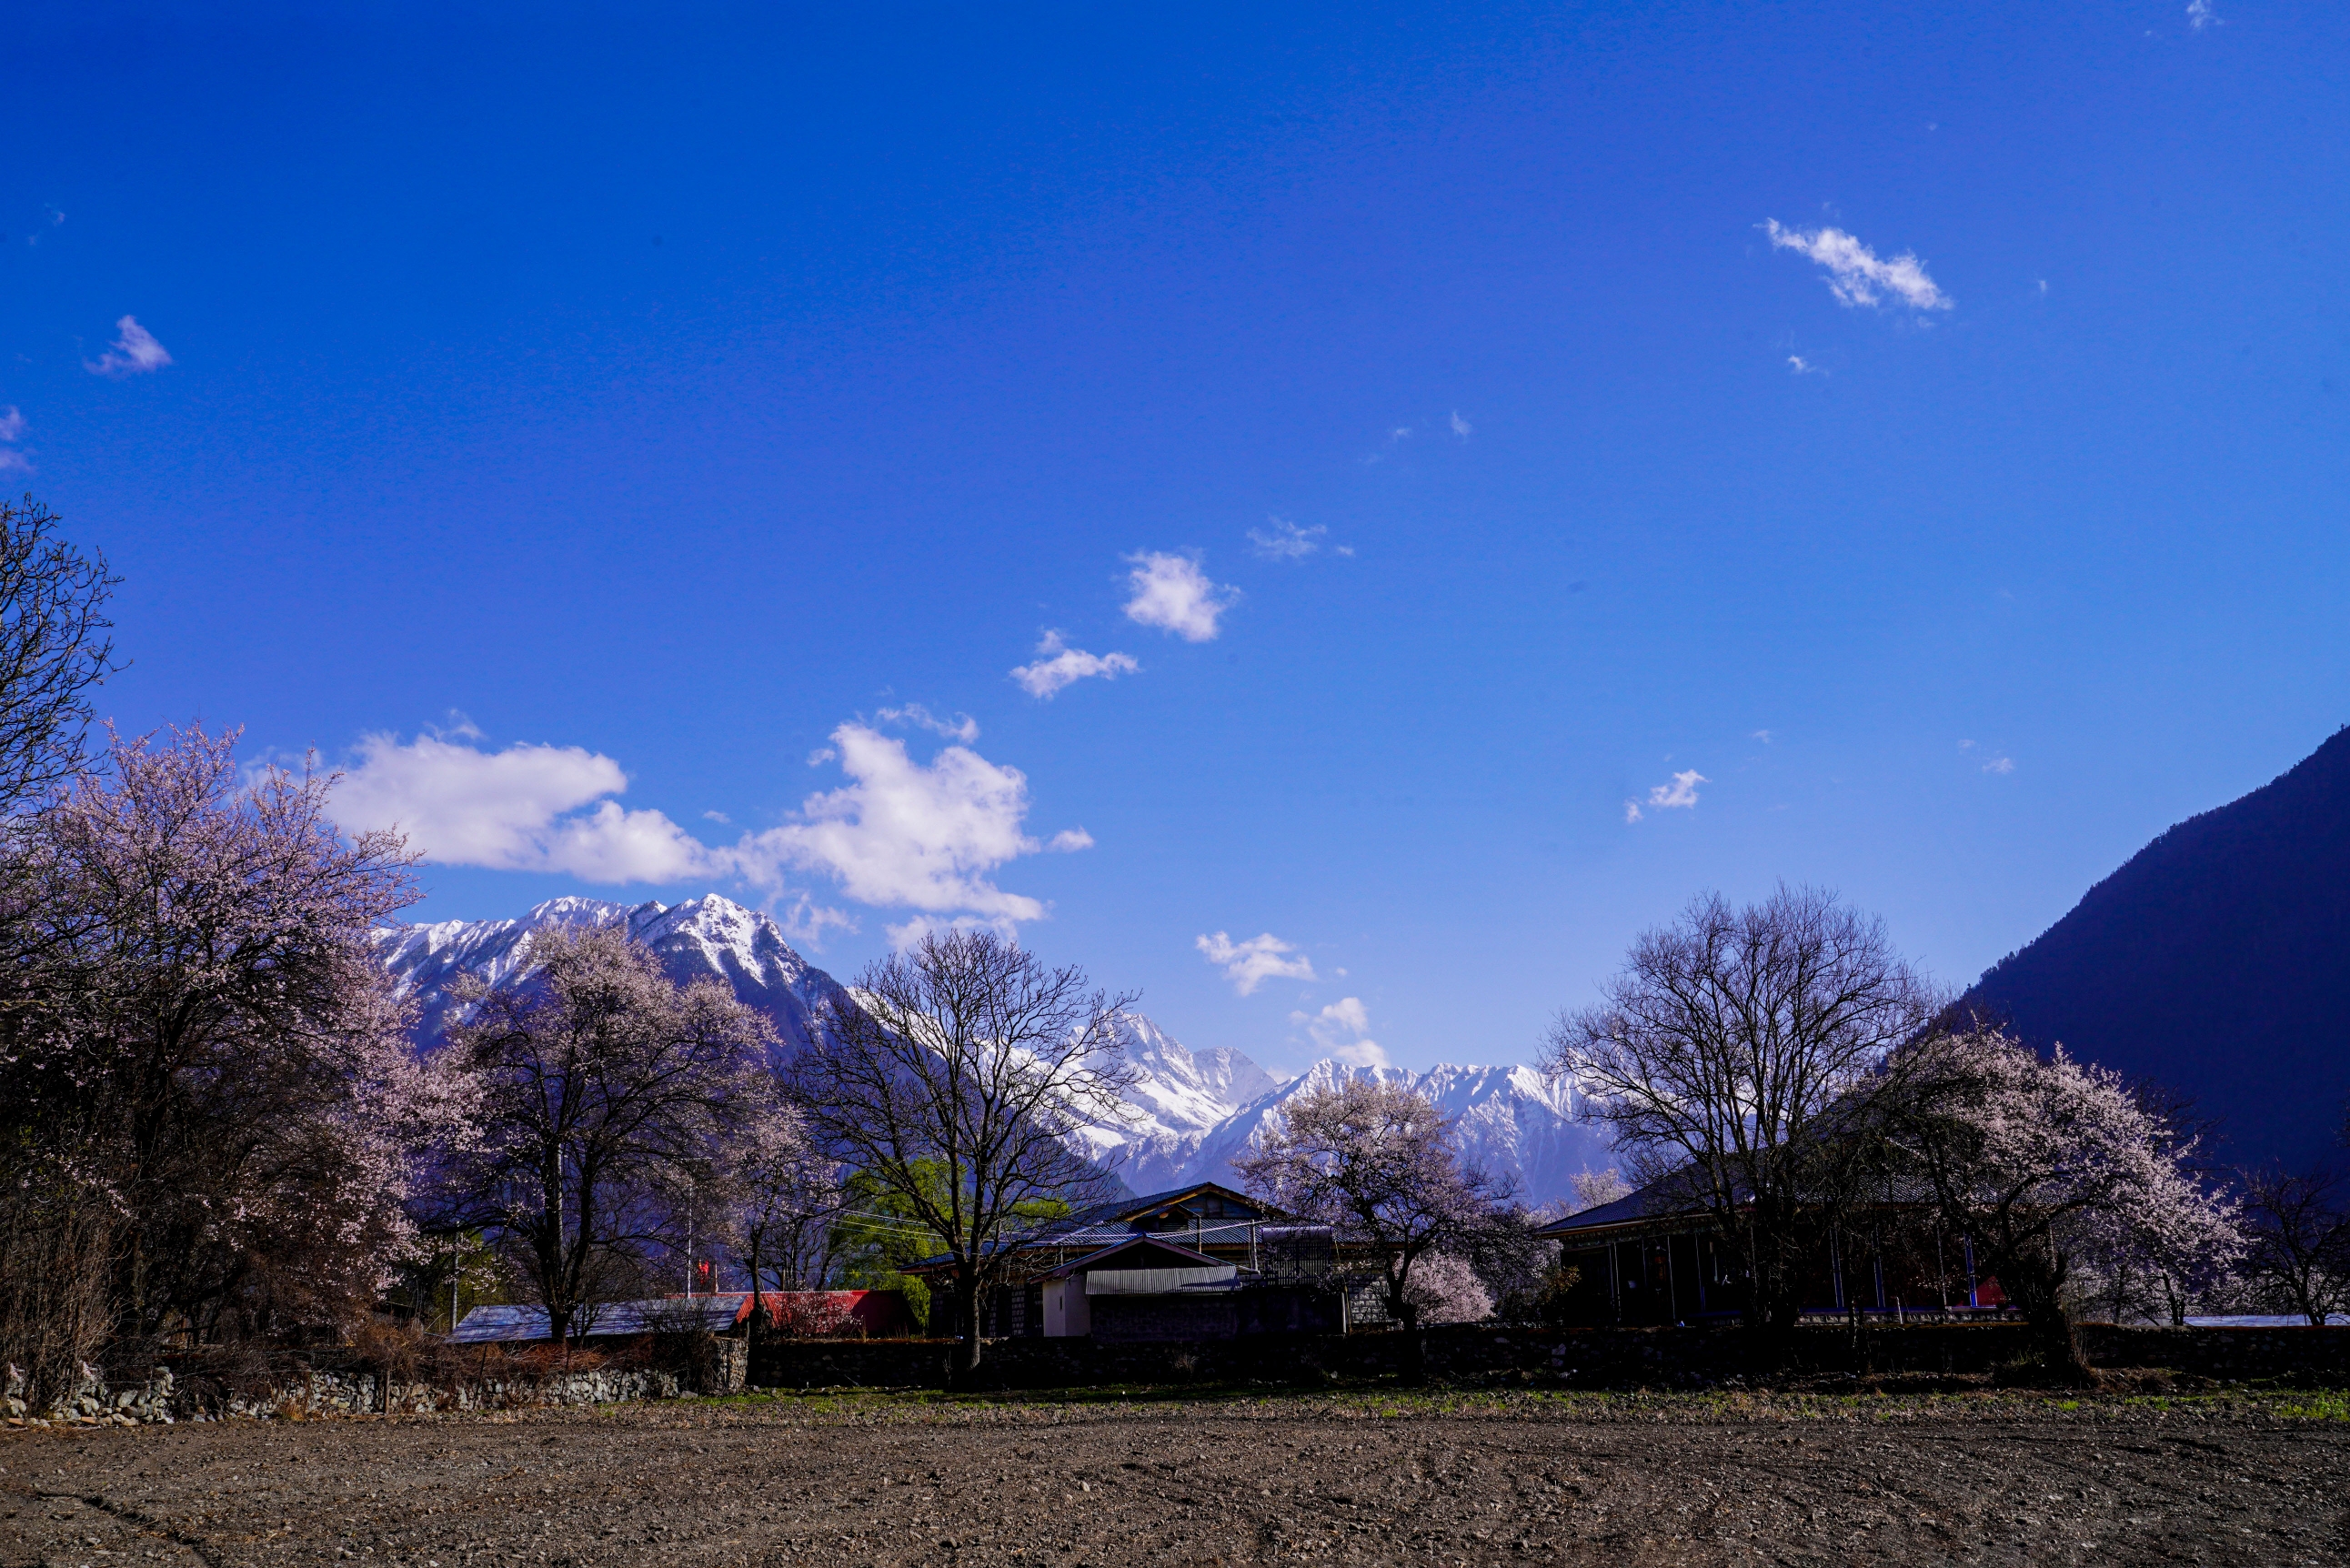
[1192,1111]
[1179,1101]
[706,935]
[1512,1123]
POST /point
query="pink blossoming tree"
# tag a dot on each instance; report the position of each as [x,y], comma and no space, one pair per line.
[1379,1163]
[2044,1161]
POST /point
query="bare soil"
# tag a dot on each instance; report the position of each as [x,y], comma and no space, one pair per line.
[1477,1479]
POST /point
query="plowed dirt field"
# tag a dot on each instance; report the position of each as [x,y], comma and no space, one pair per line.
[1371,1481]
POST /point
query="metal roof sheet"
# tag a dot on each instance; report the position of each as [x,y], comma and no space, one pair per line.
[662,1314]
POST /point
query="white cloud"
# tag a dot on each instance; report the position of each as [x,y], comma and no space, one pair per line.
[1068,841]
[12,423]
[2199,14]
[1402,432]
[1287,541]
[2000,765]
[1460,427]
[1762,735]
[1342,1029]
[1171,591]
[10,458]
[1680,793]
[516,810]
[1059,665]
[135,352]
[1966,745]
[908,834]
[961,727]
[717,816]
[1855,274]
[1803,367]
[1251,964]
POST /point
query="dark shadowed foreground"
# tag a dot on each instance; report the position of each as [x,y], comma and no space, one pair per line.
[1512,1479]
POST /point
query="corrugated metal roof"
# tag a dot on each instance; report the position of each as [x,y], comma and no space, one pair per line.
[662,1314]
[1155,1282]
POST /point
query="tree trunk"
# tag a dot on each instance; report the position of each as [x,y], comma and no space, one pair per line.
[2038,1290]
[963,1371]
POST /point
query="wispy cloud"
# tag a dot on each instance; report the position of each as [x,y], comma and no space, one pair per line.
[1287,541]
[520,809]
[1679,793]
[1059,665]
[1857,274]
[805,920]
[961,727]
[135,352]
[1251,964]
[2199,14]
[2000,765]
[12,431]
[1342,1029]
[1460,427]
[1171,591]
[1803,367]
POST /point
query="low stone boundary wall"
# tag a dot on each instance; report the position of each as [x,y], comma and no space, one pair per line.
[200,1386]
[1593,1358]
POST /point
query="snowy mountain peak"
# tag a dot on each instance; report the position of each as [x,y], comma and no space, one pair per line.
[710,936]
[1192,1111]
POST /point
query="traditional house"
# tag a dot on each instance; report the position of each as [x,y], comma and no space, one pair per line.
[1657,1257]
[1202,1261]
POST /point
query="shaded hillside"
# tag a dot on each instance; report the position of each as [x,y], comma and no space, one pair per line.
[2217,962]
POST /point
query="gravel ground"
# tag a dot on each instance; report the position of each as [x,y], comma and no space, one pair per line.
[1489,1479]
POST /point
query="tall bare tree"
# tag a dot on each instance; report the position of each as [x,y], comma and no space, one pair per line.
[960,1076]
[1733,1059]
[597,1078]
[56,1222]
[2297,1227]
[1378,1162]
[54,648]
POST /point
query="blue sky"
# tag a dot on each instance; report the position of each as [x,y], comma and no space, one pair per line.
[694,400]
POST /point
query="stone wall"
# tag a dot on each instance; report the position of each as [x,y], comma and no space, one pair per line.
[1589,1358]
[334,1383]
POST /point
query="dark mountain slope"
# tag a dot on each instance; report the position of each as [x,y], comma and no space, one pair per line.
[2217,962]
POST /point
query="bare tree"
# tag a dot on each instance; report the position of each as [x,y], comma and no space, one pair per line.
[2298,1235]
[596,1077]
[1733,1059]
[1378,1163]
[53,649]
[958,1077]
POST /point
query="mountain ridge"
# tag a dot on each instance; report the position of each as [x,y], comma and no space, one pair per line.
[1190,1111]
[2215,961]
